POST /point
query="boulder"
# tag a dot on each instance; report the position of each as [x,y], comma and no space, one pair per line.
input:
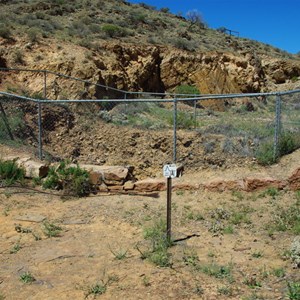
[33,168]
[253,184]
[150,185]
[294,180]
[184,186]
[110,175]
[224,185]
[129,185]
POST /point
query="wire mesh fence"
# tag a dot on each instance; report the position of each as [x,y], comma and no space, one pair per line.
[154,128]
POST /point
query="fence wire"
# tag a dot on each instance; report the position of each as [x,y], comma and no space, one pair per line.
[154,128]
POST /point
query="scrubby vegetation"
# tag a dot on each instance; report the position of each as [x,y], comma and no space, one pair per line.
[10,172]
[91,21]
[71,178]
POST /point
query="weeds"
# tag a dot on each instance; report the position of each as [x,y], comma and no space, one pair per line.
[252,282]
[191,259]
[157,252]
[272,192]
[100,288]
[240,217]
[217,271]
[287,218]
[10,173]
[72,179]
[293,290]
[16,248]
[228,229]
[27,277]
[257,254]
[51,230]
[199,290]
[279,272]
[194,216]
[146,281]
[120,254]
[96,289]
[225,290]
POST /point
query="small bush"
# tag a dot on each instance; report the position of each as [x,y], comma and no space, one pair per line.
[33,35]
[187,90]
[185,120]
[5,32]
[294,290]
[159,244]
[10,172]
[112,30]
[51,230]
[17,57]
[288,218]
[265,154]
[288,142]
[165,10]
[216,270]
[27,277]
[72,179]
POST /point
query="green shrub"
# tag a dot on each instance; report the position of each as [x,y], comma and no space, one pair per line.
[288,218]
[17,57]
[112,30]
[72,179]
[5,32]
[159,244]
[10,172]
[187,90]
[33,35]
[165,10]
[51,230]
[294,290]
[288,142]
[265,154]
[27,277]
[185,120]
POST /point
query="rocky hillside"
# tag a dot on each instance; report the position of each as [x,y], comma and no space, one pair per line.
[131,47]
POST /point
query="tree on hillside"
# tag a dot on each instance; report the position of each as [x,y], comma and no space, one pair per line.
[195,18]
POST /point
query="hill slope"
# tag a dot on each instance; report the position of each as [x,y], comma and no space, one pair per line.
[132,47]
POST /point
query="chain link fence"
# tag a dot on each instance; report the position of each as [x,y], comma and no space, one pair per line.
[150,129]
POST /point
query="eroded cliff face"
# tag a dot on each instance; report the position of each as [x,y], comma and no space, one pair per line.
[142,68]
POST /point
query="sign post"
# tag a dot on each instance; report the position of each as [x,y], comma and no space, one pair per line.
[169,171]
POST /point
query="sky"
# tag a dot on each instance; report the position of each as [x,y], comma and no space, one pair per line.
[274,22]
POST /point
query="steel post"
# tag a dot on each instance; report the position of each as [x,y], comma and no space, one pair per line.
[6,122]
[45,85]
[195,112]
[277,126]
[175,132]
[169,204]
[40,130]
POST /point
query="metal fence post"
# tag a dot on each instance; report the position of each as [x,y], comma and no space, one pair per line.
[40,130]
[175,131]
[40,117]
[5,120]
[45,84]
[277,126]
[195,111]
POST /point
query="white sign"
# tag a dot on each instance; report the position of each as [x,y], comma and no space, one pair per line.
[170,171]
